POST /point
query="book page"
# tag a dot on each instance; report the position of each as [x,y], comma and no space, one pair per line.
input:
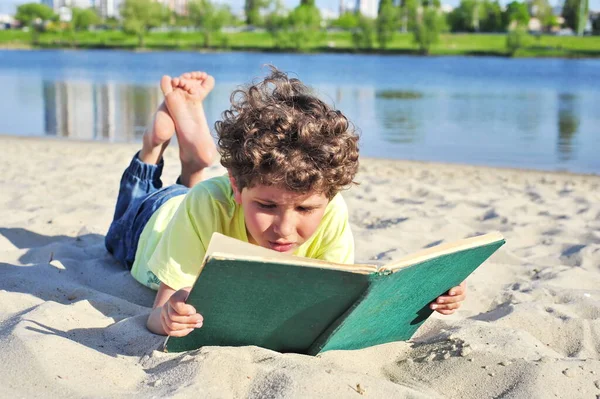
[442,249]
[222,246]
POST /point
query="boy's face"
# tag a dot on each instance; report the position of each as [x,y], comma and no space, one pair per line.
[277,218]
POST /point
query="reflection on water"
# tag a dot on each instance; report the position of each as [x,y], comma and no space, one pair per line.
[91,111]
[399,94]
[399,118]
[529,115]
[568,123]
[121,112]
[519,113]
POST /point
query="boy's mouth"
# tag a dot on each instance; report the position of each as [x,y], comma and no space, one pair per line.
[281,246]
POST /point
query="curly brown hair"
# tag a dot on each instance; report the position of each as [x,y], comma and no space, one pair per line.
[278,133]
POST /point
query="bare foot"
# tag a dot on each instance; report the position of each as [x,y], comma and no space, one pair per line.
[157,137]
[183,99]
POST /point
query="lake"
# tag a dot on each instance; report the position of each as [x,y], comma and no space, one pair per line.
[530,113]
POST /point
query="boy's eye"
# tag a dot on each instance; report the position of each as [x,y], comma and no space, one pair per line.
[303,209]
[265,206]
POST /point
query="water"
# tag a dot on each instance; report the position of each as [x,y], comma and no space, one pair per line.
[532,113]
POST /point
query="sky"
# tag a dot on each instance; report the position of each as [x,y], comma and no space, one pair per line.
[10,6]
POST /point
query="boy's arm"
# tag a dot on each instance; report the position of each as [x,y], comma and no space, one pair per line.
[171,315]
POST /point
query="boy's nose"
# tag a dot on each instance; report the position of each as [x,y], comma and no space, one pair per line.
[284,226]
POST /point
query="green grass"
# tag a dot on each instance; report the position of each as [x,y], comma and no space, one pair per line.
[449,44]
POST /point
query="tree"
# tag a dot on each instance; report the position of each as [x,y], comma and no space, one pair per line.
[518,13]
[305,25]
[477,16]
[139,16]
[596,24]
[84,18]
[299,30]
[112,23]
[386,23]
[347,20]
[427,30]
[277,24]
[575,13]
[209,17]
[363,34]
[252,9]
[515,39]
[408,14]
[29,13]
[461,18]
[491,17]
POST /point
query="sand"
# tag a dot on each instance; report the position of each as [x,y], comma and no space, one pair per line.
[72,320]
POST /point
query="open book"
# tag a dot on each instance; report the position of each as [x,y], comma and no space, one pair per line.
[249,295]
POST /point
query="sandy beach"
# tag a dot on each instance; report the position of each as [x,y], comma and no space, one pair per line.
[72,320]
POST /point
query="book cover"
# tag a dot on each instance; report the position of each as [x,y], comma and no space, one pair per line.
[250,295]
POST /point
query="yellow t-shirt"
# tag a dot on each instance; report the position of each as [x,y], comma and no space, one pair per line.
[172,245]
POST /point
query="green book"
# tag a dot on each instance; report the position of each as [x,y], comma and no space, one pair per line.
[250,295]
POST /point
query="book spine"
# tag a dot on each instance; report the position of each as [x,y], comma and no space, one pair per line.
[323,339]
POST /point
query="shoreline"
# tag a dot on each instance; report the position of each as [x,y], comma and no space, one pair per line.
[450,44]
[318,51]
[405,162]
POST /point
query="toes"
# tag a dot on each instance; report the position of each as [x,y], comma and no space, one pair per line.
[165,85]
[187,86]
[209,82]
[186,75]
[199,75]
[176,82]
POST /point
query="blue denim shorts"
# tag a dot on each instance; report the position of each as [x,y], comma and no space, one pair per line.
[140,194]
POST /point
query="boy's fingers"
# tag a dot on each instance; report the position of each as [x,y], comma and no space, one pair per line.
[177,303]
[181,309]
[176,317]
[181,333]
[170,325]
[445,311]
[459,289]
[450,306]
[445,306]
[450,299]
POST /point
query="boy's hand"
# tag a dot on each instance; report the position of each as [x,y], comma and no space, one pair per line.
[447,304]
[177,318]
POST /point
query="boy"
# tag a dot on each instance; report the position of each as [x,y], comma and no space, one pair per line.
[288,155]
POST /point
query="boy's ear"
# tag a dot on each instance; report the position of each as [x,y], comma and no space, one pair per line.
[237,194]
